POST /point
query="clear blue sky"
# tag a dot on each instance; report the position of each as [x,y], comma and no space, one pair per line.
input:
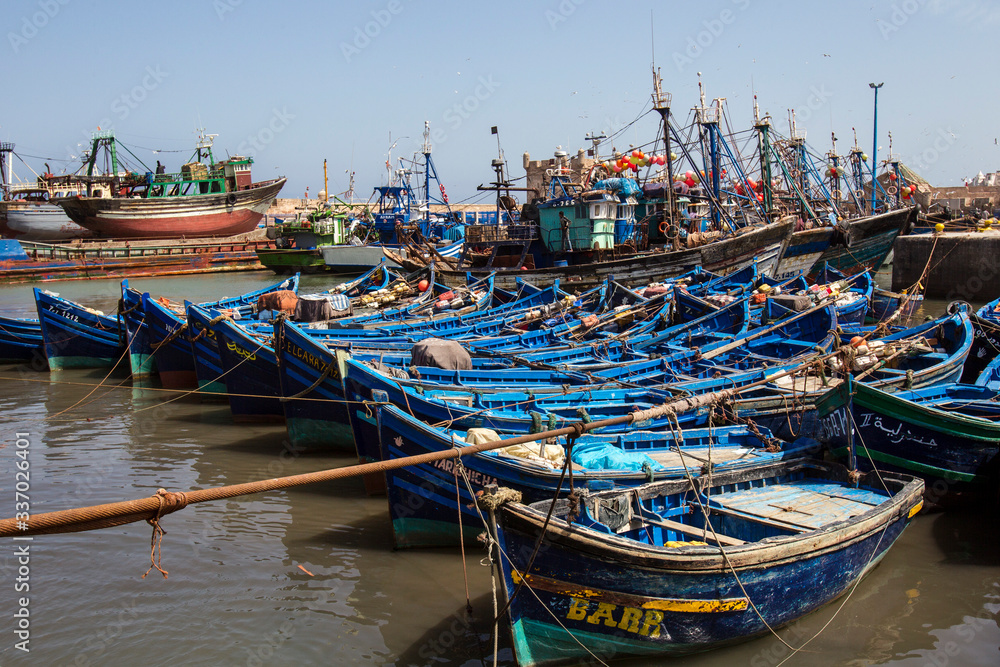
[297,82]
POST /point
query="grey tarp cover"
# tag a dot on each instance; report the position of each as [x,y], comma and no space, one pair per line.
[438,353]
[793,302]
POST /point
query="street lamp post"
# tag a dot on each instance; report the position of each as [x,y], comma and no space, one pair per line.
[875,87]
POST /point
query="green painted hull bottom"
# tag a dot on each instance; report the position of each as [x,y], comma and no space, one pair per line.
[418,533]
[142,364]
[213,387]
[540,644]
[318,433]
[918,469]
[292,262]
[61,363]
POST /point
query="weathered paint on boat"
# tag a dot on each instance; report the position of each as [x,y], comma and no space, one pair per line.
[133,319]
[868,242]
[223,214]
[40,221]
[654,591]
[250,372]
[169,333]
[760,245]
[205,353]
[312,393]
[425,505]
[75,336]
[952,451]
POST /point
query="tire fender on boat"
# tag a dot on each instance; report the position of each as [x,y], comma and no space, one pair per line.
[231,199]
[958,306]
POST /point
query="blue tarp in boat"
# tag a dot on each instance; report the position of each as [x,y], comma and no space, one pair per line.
[606,456]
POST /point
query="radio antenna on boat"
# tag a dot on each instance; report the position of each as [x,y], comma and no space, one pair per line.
[652,43]
[204,145]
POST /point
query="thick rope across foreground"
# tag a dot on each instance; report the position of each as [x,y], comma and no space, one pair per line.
[153,508]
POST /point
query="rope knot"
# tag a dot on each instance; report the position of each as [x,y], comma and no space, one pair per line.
[169,501]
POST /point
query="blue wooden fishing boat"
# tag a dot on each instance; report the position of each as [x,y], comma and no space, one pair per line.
[990,376]
[249,370]
[851,295]
[894,306]
[311,390]
[21,340]
[855,293]
[425,503]
[985,345]
[917,357]
[947,434]
[851,246]
[143,344]
[76,336]
[131,316]
[310,372]
[205,352]
[170,343]
[680,566]
[990,311]
[313,394]
[504,408]
[256,385]
[928,353]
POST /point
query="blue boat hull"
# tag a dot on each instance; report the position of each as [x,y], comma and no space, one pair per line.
[310,380]
[21,340]
[250,371]
[168,335]
[956,456]
[75,337]
[426,500]
[592,594]
[133,318]
[205,354]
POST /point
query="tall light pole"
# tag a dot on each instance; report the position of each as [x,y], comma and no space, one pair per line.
[875,87]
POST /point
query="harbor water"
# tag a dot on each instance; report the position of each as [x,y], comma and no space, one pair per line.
[308,576]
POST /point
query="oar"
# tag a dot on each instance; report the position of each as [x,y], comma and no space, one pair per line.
[739,342]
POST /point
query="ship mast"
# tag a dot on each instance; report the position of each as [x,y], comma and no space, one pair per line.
[661,104]
[6,166]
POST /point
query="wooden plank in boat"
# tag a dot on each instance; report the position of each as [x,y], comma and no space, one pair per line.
[767,521]
[697,456]
[821,503]
[677,527]
[806,384]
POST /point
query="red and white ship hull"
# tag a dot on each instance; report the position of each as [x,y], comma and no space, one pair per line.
[195,216]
